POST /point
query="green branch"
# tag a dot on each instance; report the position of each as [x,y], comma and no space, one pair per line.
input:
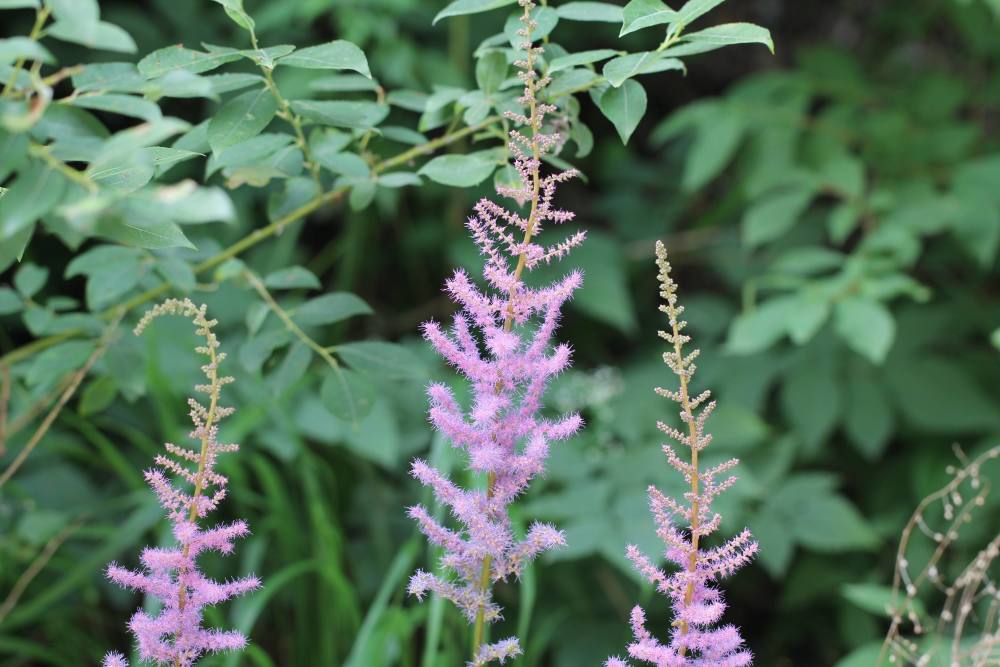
[247,242]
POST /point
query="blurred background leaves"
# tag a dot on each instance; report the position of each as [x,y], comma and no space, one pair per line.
[833,214]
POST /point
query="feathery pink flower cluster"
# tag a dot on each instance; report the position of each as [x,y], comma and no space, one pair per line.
[500,341]
[175,636]
[698,605]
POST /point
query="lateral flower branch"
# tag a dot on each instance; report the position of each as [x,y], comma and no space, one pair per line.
[175,637]
[500,341]
[697,604]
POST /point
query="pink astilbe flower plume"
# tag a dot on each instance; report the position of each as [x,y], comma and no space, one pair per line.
[175,636]
[501,342]
[695,638]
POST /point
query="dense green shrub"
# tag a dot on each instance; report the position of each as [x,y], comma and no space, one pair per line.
[833,214]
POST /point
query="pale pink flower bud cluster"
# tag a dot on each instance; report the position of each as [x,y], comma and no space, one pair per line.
[501,342]
[175,637]
[695,638]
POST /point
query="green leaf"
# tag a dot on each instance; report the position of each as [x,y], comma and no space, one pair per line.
[399,179]
[123,172]
[111,271]
[603,12]
[347,395]
[462,7]
[177,272]
[337,55]
[151,234]
[624,107]
[109,77]
[341,113]
[331,308]
[818,518]
[995,338]
[868,418]
[12,249]
[362,194]
[866,656]
[259,348]
[460,171]
[298,192]
[845,175]
[55,362]
[97,396]
[292,368]
[37,190]
[842,221]
[777,546]
[618,70]
[173,58]
[866,326]
[188,203]
[253,150]
[774,214]
[693,9]
[976,224]
[606,296]
[491,71]
[15,48]
[123,105]
[939,396]
[581,58]
[811,398]
[640,14]
[234,10]
[241,118]
[13,154]
[29,279]
[805,320]
[345,164]
[872,598]
[760,328]
[78,12]
[100,36]
[183,84]
[10,302]
[807,261]
[164,158]
[727,34]
[830,524]
[344,83]
[570,81]
[294,277]
[380,359]
[720,130]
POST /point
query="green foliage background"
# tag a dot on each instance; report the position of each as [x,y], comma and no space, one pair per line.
[833,214]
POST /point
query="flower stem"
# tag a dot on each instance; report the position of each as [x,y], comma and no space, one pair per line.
[529,230]
[199,479]
[688,416]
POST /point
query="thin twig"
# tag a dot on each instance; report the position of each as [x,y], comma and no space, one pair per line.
[289,323]
[67,394]
[36,566]
[4,402]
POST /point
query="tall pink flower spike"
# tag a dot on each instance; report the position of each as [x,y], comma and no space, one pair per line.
[175,636]
[500,341]
[697,604]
